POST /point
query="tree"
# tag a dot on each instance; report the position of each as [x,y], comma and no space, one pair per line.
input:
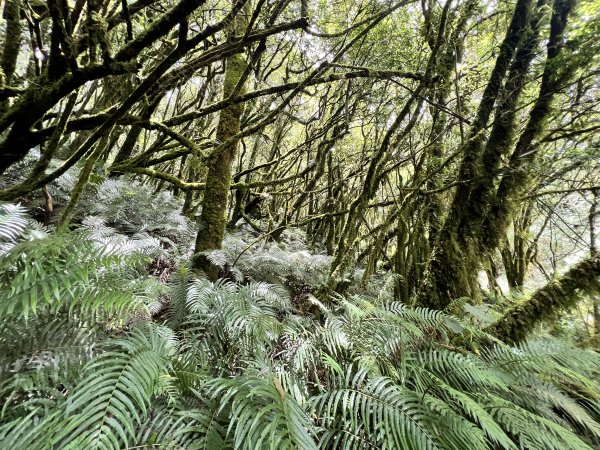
[440,143]
[213,218]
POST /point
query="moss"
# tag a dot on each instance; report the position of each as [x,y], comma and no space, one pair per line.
[12,43]
[213,217]
[549,301]
[457,253]
[82,181]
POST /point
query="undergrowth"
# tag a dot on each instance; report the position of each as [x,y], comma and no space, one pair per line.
[101,349]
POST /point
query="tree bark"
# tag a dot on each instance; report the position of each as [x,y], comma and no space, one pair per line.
[547,302]
[451,271]
[481,213]
[213,216]
[12,42]
[594,252]
[517,177]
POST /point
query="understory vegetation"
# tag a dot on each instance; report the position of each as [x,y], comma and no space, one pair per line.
[299,224]
[109,340]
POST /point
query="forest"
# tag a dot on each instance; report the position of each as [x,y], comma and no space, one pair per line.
[300,224]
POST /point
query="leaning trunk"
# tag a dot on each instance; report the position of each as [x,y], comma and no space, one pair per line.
[549,301]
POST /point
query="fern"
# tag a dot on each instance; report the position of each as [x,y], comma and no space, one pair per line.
[263,415]
[13,222]
[113,397]
[56,273]
[374,413]
[116,390]
[96,353]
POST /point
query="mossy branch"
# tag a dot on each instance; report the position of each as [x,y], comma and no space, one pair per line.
[326,79]
[547,302]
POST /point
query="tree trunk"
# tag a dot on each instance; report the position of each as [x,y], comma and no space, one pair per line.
[12,41]
[480,214]
[213,217]
[12,44]
[594,252]
[547,302]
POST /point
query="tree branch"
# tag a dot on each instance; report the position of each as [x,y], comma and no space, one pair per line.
[547,302]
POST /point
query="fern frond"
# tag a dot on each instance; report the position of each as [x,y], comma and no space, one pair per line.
[55,273]
[113,398]
[469,406]
[184,428]
[376,413]
[13,222]
[179,283]
[531,430]
[263,415]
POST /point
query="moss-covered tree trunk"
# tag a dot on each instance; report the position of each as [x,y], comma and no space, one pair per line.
[213,217]
[594,252]
[547,302]
[450,272]
[518,177]
[82,181]
[12,44]
[447,62]
[483,207]
[12,41]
